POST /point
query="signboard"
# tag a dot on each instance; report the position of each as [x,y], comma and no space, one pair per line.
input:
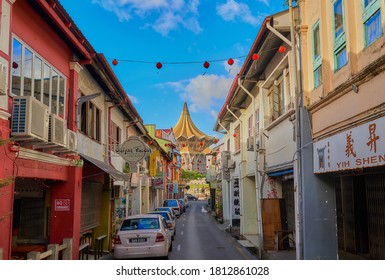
[157,183]
[236,199]
[133,150]
[360,147]
[175,187]
[62,205]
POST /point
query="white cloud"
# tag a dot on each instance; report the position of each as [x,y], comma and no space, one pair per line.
[169,14]
[237,11]
[133,99]
[266,2]
[203,92]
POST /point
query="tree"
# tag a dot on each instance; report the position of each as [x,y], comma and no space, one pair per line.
[191,175]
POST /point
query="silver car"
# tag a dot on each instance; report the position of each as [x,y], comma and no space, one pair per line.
[143,236]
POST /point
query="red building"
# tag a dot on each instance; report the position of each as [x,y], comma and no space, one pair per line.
[40,176]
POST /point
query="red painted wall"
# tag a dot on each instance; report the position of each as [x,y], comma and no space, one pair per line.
[66,224]
[6,192]
[30,27]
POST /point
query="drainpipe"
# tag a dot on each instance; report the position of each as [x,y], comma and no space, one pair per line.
[222,127]
[125,100]
[259,192]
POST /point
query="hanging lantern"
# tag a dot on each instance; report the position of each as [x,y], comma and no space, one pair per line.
[208,159]
[149,143]
[201,144]
[15,65]
[230,61]
[216,141]
[235,135]
[183,145]
[206,65]
[255,57]
[282,49]
[115,62]
[159,65]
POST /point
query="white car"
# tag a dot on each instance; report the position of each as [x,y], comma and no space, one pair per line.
[171,223]
[143,236]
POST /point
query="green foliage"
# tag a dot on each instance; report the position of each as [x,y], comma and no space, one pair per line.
[191,175]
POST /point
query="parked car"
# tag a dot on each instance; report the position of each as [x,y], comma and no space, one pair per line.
[191,197]
[168,209]
[142,236]
[171,223]
[175,204]
[182,202]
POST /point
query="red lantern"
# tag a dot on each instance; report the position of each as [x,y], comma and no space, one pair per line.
[230,61]
[159,65]
[208,159]
[183,145]
[206,65]
[216,141]
[15,65]
[281,49]
[115,62]
[255,57]
[235,135]
[200,143]
[149,143]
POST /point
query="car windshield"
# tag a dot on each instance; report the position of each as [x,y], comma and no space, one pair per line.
[170,203]
[163,214]
[140,223]
[163,209]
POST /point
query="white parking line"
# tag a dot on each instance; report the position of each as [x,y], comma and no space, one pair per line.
[182,225]
[178,247]
[204,210]
[181,233]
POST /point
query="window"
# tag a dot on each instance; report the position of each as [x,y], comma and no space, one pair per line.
[237,144]
[277,99]
[250,127]
[339,36]
[257,122]
[371,20]
[317,59]
[90,120]
[115,135]
[32,76]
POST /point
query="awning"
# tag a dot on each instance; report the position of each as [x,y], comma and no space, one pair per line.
[280,173]
[115,174]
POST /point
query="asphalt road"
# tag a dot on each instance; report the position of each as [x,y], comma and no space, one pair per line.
[198,237]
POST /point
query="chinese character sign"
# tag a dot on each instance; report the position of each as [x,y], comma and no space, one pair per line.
[236,202]
[359,147]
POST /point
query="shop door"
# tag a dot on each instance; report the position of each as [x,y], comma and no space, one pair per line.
[375,194]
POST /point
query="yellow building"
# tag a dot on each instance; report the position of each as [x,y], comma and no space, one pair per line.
[343,62]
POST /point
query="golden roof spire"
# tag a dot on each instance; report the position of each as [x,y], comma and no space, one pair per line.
[185,127]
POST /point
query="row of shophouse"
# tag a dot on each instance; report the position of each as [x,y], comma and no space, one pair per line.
[64,121]
[302,162]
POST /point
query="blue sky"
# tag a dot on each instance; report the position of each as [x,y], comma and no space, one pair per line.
[180,34]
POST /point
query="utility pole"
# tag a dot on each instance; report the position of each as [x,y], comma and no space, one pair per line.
[298,106]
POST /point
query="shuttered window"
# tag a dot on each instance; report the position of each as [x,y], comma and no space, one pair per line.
[91,204]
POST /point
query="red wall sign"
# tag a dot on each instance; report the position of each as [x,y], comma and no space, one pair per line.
[62,205]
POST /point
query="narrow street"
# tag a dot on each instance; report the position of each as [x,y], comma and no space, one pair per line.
[199,238]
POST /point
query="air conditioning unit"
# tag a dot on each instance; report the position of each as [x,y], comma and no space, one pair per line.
[231,164]
[30,119]
[250,144]
[3,79]
[72,140]
[57,133]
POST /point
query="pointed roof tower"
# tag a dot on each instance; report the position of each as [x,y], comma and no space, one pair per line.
[188,134]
